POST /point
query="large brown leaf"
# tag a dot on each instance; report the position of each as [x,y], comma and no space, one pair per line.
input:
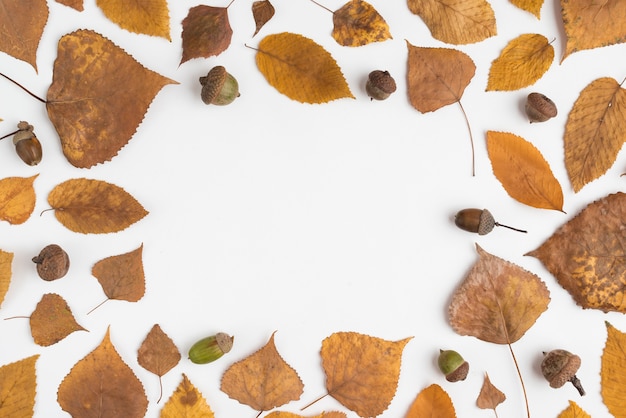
[358,23]
[6,259]
[21,25]
[52,320]
[92,77]
[17,199]
[432,402]
[18,384]
[595,131]
[158,354]
[613,372]
[206,32]
[150,17]
[587,255]
[186,402]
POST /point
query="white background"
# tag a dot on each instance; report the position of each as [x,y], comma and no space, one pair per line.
[271,215]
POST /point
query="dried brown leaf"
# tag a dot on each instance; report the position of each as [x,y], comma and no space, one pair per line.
[17,199]
[121,276]
[206,32]
[149,17]
[52,320]
[186,402]
[22,29]
[74,4]
[358,23]
[18,384]
[490,396]
[6,259]
[262,11]
[158,354]
[432,402]
[280,414]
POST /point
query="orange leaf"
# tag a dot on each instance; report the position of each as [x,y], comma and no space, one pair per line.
[432,402]
[595,131]
[20,39]
[574,411]
[91,77]
[102,385]
[456,21]
[149,17]
[206,32]
[591,25]
[186,402]
[490,396]
[262,11]
[158,354]
[6,259]
[613,372]
[262,380]
[74,4]
[121,276]
[361,371]
[358,23]
[17,199]
[521,63]
[94,206]
[532,6]
[280,414]
[18,384]
[301,69]
[523,171]
[52,320]
[587,255]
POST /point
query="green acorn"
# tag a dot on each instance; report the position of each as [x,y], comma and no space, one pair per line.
[452,365]
[210,348]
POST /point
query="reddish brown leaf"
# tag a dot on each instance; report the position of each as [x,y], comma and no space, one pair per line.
[262,11]
[158,354]
[206,32]
[74,4]
[121,276]
[52,320]
[6,259]
[18,383]
[21,29]
[490,396]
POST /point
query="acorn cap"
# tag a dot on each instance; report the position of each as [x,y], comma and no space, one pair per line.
[486,222]
[559,367]
[539,107]
[218,87]
[380,84]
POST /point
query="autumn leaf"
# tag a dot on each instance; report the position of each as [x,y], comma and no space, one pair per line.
[262,11]
[613,372]
[591,25]
[532,6]
[574,411]
[358,23]
[456,22]
[587,255]
[186,402]
[432,402]
[523,171]
[18,384]
[22,31]
[52,320]
[262,380]
[595,131]
[102,385]
[91,77]
[206,32]
[521,63]
[6,259]
[490,396]
[301,69]
[74,4]
[158,354]
[331,414]
[17,199]
[361,371]
[94,206]
[149,17]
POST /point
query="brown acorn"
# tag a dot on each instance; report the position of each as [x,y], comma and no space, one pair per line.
[480,221]
[219,87]
[539,108]
[52,262]
[559,367]
[27,145]
[380,85]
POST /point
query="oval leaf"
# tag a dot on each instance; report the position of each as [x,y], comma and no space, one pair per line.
[52,320]
[301,69]
[206,32]
[22,30]
[574,411]
[121,276]
[6,260]
[186,401]
[432,402]
[612,375]
[149,17]
[357,23]
[17,199]
[18,383]
[262,11]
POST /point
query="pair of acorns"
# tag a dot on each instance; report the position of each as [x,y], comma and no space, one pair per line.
[27,145]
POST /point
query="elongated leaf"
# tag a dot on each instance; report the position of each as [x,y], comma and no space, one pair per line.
[262,11]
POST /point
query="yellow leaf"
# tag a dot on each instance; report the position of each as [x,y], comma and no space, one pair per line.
[18,383]
[301,69]
[186,402]
[573,411]
[523,171]
[358,23]
[521,63]
[432,402]
[17,199]
[613,372]
[149,17]
[6,259]
[532,6]
[595,131]
[280,414]
[456,22]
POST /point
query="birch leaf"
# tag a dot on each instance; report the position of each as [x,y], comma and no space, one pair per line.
[531,6]
[432,402]
[158,354]
[17,199]
[18,384]
[52,320]
[358,23]
[613,372]
[20,39]
[490,396]
[186,402]
[573,411]
[206,32]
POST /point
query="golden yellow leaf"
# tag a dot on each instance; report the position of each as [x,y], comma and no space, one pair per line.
[523,171]
[521,63]
[17,199]
[6,259]
[456,22]
[18,384]
[301,69]
[613,372]
[94,206]
[280,414]
[52,320]
[358,23]
[149,17]
[573,411]
[490,396]
[22,29]
[186,402]
[432,402]
[532,6]
[361,371]
[595,131]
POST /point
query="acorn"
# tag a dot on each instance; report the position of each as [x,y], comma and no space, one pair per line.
[380,85]
[210,348]
[27,145]
[539,108]
[219,87]
[560,366]
[452,365]
[480,221]
[52,262]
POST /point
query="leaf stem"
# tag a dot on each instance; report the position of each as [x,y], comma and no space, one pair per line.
[17,317]
[315,400]
[98,305]
[322,6]
[519,373]
[231,2]
[8,135]
[160,389]
[23,88]
[469,128]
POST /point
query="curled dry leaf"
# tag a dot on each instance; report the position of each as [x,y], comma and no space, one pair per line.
[158,354]
[490,396]
[149,17]
[433,402]
[521,63]
[206,32]
[362,372]
[532,6]
[6,259]
[20,39]
[186,401]
[17,199]
[574,411]
[52,320]
[262,11]
[613,372]
[523,171]
[587,255]
[358,23]
[331,414]
[301,69]
[74,4]
[94,206]
[18,387]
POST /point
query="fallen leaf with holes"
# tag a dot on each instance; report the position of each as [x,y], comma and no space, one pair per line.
[20,39]
[531,6]
[490,396]
[148,17]
[595,131]
[573,411]
[6,260]
[613,372]
[52,320]
[587,255]
[17,199]
[91,77]
[262,11]
[591,25]
[521,63]
[358,23]
[102,385]
[362,372]
[262,380]
[280,414]
[94,206]
[187,402]
[206,32]
[158,354]
[456,22]
[301,69]
[74,4]
[433,402]
[523,171]
[18,387]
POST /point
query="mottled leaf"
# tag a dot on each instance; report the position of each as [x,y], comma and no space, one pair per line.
[20,30]
[358,23]
[186,402]
[149,17]
[17,199]
[6,259]
[432,402]
[121,276]
[613,372]
[18,385]
[52,320]
[262,11]
[206,32]
[490,396]
[158,354]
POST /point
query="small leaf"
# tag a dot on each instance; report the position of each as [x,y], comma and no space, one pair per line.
[20,39]
[149,17]
[358,23]
[613,372]
[432,402]
[121,276]
[52,320]
[6,259]
[206,32]
[17,199]
[186,402]
[262,11]
[532,6]
[18,384]
[158,354]
[74,4]
[280,414]
[574,411]
[490,396]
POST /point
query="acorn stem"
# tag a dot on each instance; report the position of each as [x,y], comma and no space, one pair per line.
[23,88]
[579,387]
[510,227]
